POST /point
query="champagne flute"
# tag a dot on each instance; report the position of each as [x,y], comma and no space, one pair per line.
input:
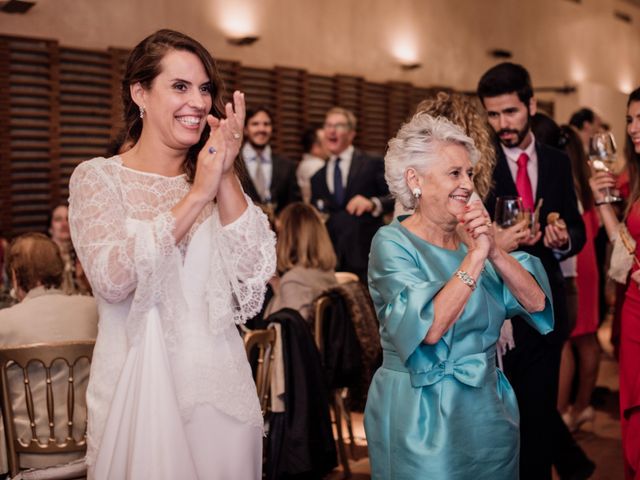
[509,211]
[602,155]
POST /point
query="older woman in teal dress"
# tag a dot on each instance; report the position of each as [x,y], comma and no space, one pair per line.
[438,408]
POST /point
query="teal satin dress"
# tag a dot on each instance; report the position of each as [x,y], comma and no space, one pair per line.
[442,411]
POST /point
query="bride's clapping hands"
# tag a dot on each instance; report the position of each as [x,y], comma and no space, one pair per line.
[221,149]
[231,130]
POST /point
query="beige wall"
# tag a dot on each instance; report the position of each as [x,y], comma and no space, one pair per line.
[561,42]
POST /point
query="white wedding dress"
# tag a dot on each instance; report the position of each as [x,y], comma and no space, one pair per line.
[171,393]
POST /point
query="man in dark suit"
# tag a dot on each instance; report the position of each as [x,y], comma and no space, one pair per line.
[351,189]
[270,179]
[536,172]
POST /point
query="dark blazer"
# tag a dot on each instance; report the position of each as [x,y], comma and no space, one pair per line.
[351,235]
[300,440]
[284,186]
[555,187]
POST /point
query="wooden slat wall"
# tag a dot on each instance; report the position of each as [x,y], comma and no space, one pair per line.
[32,140]
[86,102]
[290,111]
[64,105]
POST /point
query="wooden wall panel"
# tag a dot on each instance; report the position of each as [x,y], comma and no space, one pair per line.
[5,139]
[229,72]
[118,62]
[86,102]
[289,111]
[319,96]
[30,133]
[373,130]
[63,105]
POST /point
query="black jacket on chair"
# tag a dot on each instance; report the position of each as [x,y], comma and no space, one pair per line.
[300,441]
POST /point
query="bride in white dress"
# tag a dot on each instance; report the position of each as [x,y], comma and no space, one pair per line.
[176,256]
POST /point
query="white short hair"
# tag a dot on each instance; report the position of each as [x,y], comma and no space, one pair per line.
[417,145]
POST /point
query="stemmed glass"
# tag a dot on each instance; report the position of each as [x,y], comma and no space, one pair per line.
[509,211]
[602,155]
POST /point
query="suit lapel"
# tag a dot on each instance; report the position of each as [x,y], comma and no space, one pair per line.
[544,170]
[357,161]
[275,175]
[505,184]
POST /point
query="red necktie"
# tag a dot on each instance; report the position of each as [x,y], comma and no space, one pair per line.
[523,184]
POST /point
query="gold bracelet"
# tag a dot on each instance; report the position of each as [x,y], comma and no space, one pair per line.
[466,279]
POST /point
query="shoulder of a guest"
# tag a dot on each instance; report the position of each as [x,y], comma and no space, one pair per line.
[369,156]
[547,151]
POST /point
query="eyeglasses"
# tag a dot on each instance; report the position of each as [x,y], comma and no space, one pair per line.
[343,127]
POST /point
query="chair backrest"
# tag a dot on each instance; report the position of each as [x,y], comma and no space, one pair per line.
[44,354]
[321,304]
[346,277]
[265,341]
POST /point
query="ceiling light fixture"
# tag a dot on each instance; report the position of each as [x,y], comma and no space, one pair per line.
[243,41]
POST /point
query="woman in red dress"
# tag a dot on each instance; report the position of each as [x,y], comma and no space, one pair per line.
[582,271]
[630,324]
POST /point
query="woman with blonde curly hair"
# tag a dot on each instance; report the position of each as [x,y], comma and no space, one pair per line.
[463,112]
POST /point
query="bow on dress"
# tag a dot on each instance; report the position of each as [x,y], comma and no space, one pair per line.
[470,370]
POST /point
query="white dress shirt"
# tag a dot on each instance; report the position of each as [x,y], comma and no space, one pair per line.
[250,157]
[307,168]
[345,164]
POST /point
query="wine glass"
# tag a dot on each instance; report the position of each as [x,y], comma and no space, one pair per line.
[602,155]
[509,211]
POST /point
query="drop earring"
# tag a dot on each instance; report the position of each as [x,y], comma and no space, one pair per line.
[417,193]
[141,111]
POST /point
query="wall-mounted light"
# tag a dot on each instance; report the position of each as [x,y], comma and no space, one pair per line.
[243,41]
[410,66]
[16,6]
[500,53]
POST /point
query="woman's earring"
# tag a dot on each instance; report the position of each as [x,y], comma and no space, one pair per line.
[417,192]
[141,111]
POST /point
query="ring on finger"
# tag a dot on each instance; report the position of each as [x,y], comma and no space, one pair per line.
[236,135]
[212,150]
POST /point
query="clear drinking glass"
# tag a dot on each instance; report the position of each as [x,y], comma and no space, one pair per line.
[602,155]
[509,211]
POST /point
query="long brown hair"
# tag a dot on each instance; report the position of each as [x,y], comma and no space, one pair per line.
[303,240]
[461,110]
[633,159]
[572,144]
[144,65]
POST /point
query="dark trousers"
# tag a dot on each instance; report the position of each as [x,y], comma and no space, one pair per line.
[533,369]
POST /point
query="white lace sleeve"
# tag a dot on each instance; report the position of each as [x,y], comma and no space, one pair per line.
[116,251]
[248,254]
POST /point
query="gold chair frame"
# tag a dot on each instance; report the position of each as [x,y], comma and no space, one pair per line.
[265,340]
[45,354]
[336,401]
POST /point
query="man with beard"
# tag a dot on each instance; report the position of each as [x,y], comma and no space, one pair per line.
[536,173]
[270,179]
[352,190]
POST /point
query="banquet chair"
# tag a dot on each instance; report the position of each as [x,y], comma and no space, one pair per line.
[35,368]
[346,277]
[336,402]
[264,340]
